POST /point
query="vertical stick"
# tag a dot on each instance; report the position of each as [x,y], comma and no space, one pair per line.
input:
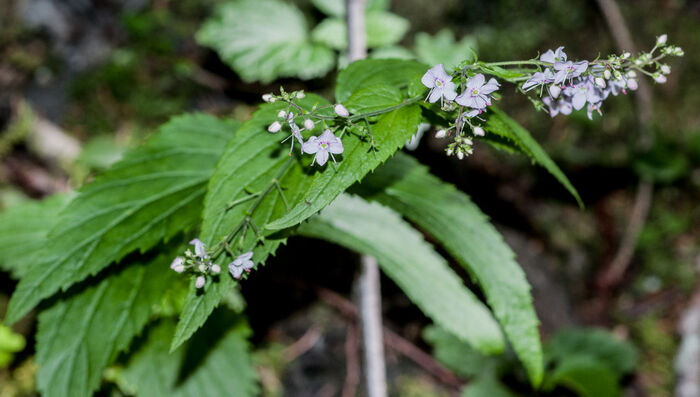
[370,294]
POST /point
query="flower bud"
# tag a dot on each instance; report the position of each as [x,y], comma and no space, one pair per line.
[460,155]
[274,127]
[440,134]
[678,51]
[216,269]
[660,78]
[282,114]
[178,264]
[450,151]
[661,40]
[617,75]
[341,111]
[606,74]
[478,131]
[665,69]
[267,98]
[202,268]
[632,84]
[632,74]
[309,124]
[199,283]
[301,95]
[625,55]
[554,90]
[600,82]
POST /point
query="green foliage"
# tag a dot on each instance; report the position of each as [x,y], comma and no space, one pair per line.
[265,39]
[500,124]
[373,98]
[336,8]
[411,263]
[216,362]
[390,133]
[451,218]
[586,376]
[82,333]
[486,387]
[365,73]
[443,48]
[23,230]
[10,343]
[458,356]
[383,29]
[152,194]
[619,356]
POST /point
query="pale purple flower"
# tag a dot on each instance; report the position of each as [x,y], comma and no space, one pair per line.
[554,56]
[199,283]
[554,90]
[581,93]
[477,94]
[178,264]
[296,132]
[199,249]
[274,127]
[632,84]
[660,79]
[568,69]
[440,84]
[341,111]
[591,108]
[539,78]
[555,107]
[242,262]
[322,146]
[661,40]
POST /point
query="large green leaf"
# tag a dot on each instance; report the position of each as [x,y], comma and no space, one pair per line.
[459,356]
[265,39]
[368,72]
[153,193]
[443,48]
[451,218]
[336,8]
[250,163]
[82,333]
[216,362]
[23,230]
[618,355]
[500,124]
[587,376]
[372,98]
[383,29]
[406,258]
[390,133]
[486,387]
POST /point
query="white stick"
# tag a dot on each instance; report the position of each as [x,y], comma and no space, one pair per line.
[370,294]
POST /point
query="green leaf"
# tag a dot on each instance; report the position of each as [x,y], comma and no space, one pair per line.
[265,39]
[391,132]
[586,376]
[486,387]
[336,8]
[369,72]
[153,193]
[443,48]
[216,362]
[452,218]
[391,52]
[250,161]
[375,97]
[23,230]
[500,124]
[458,356]
[618,355]
[383,29]
[411,263]
[82,333]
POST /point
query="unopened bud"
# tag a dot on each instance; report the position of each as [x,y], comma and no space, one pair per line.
[282,114]
[440,134]
[268,98]
[274,127]
[665,69]
[216,269]
[300,94]
[309,124]
[460,155]
[202,268]
[600,82]
[632,74]
[606,74]
[450,151]
[626,55]
[478,131]
[617,75]
[632,84]
[660,78]
[678,52]
[199,283]
[341,111]
[661,40]
[178,264]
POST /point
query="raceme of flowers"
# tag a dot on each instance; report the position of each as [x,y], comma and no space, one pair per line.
[200,264]
[562,86]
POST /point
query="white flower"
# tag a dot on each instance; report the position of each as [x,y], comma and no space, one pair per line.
[199,283]
[478,131]
[199,248]
[216,269]
[665,69]
[309,124]
[282,114]
[178,264]
[274,127]
[341,111]
[660,78]
[440,134]
[268,98]
[440,84]
[600,82]
[242,262]
[661,40]
[301,95]
[323,146]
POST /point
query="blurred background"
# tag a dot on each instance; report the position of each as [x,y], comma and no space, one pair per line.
[83,80]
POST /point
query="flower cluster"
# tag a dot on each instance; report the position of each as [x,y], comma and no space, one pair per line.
[563,86]
[322,146]
[200,264]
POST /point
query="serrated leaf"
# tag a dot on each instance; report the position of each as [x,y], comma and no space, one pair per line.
[383,29]
[331,32]
[369,72]
[215,363]
[336,8]
[618,355]
[23,230]
[149,196]
[500,124]
[586,376]
[443,48]
[411,263]
[390,133]
[375,97]
[452,218]
[249,164]
[81,334]
[459,356]
[265,39]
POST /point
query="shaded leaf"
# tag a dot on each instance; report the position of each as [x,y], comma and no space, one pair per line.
[375,97]
[585,375]
[443,48]
[620,356]
[364,73]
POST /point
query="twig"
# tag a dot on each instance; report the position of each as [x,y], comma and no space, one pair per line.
[352,361]
[301,346]
[623,39]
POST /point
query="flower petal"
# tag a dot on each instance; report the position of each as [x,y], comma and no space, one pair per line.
[475,82]
[310,146]
[336,146]
[321,157]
